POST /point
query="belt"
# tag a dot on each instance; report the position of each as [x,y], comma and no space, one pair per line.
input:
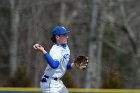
[43,79]
[51,77]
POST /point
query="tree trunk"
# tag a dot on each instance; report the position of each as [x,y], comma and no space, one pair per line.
[93,76]
[14,37]
[99,53]
[62,11]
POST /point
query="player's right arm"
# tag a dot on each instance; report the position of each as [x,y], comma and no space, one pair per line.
[54,64]
[39,48]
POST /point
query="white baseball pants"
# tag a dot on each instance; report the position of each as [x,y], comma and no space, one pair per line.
[53,86]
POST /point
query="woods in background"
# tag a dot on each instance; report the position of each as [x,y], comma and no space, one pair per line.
[107,31]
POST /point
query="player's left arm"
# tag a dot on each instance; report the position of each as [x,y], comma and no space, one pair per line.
[80,62]
[71,65]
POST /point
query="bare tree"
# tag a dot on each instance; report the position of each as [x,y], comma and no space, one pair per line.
[93,76]
[132,37]
[14,37]
[127,36]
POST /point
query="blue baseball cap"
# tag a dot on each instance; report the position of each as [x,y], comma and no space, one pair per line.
[59,30]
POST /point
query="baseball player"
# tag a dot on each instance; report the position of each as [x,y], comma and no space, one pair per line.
[58,62]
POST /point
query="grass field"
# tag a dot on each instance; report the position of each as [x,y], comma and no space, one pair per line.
[71,90]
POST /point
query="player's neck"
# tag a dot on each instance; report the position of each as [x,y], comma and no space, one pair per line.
[63,45]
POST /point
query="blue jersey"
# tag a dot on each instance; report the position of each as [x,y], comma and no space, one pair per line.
[60,54]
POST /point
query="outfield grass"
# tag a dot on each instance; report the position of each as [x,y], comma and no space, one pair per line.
[71,90]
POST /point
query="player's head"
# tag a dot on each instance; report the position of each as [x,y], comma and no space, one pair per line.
[59,35]
[59,30]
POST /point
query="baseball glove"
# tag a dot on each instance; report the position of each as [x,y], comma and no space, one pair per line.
[81,62]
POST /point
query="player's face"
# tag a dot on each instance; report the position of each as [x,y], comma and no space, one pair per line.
[62,39]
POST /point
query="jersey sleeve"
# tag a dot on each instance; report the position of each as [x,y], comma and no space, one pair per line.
[69,65]
[54,64]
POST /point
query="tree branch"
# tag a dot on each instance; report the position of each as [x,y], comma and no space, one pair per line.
[127,29]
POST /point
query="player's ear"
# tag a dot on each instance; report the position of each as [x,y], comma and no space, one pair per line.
[57,36]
